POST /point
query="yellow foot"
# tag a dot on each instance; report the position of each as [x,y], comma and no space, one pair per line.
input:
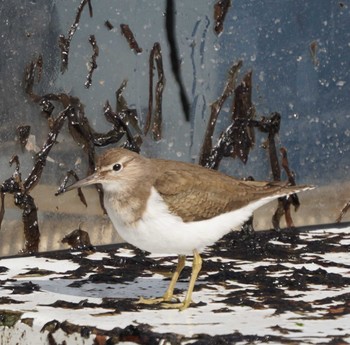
[181,306]
[150,300]
[164,303]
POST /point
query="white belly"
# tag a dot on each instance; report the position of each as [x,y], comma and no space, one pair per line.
[161,232]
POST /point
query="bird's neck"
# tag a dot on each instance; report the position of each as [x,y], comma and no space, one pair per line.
[127,204]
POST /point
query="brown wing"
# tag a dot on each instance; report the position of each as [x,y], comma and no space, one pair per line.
[196,193]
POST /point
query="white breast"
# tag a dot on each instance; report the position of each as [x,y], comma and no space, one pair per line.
[161,232]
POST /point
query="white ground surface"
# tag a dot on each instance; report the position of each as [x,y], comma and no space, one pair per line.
[302,327]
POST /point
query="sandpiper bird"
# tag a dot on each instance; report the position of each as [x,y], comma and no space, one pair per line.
[169,207]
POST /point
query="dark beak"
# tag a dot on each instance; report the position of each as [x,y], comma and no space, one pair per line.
[92,179]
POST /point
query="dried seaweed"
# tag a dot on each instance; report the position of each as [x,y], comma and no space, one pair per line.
[109,25]
[85,136]
[157,116]
[93,64]
[39,66]
[30,221]
[127,33]
[205,158]
[119,126]
[140,334]
[81,132]
[150,90]
[24,288]
[293,198]
[63,186]
[23,134]
[8,318]
[220,10]
[243,109]
[155,56]
[40,158]
[63,42]
[78,239]
[127,114]
[279,269]
[29,79]
[271,126]
[284,203]
[343,212]
[21,190]
[238,138]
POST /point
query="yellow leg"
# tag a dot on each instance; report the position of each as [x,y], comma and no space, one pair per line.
[180,265]
[196,267]
[170,290]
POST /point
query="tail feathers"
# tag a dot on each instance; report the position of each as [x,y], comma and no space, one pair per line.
[281,192]
[287,189]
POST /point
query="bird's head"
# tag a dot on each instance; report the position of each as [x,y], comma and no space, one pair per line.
[117,169]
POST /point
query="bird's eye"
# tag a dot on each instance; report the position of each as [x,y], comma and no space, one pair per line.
[117,167]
